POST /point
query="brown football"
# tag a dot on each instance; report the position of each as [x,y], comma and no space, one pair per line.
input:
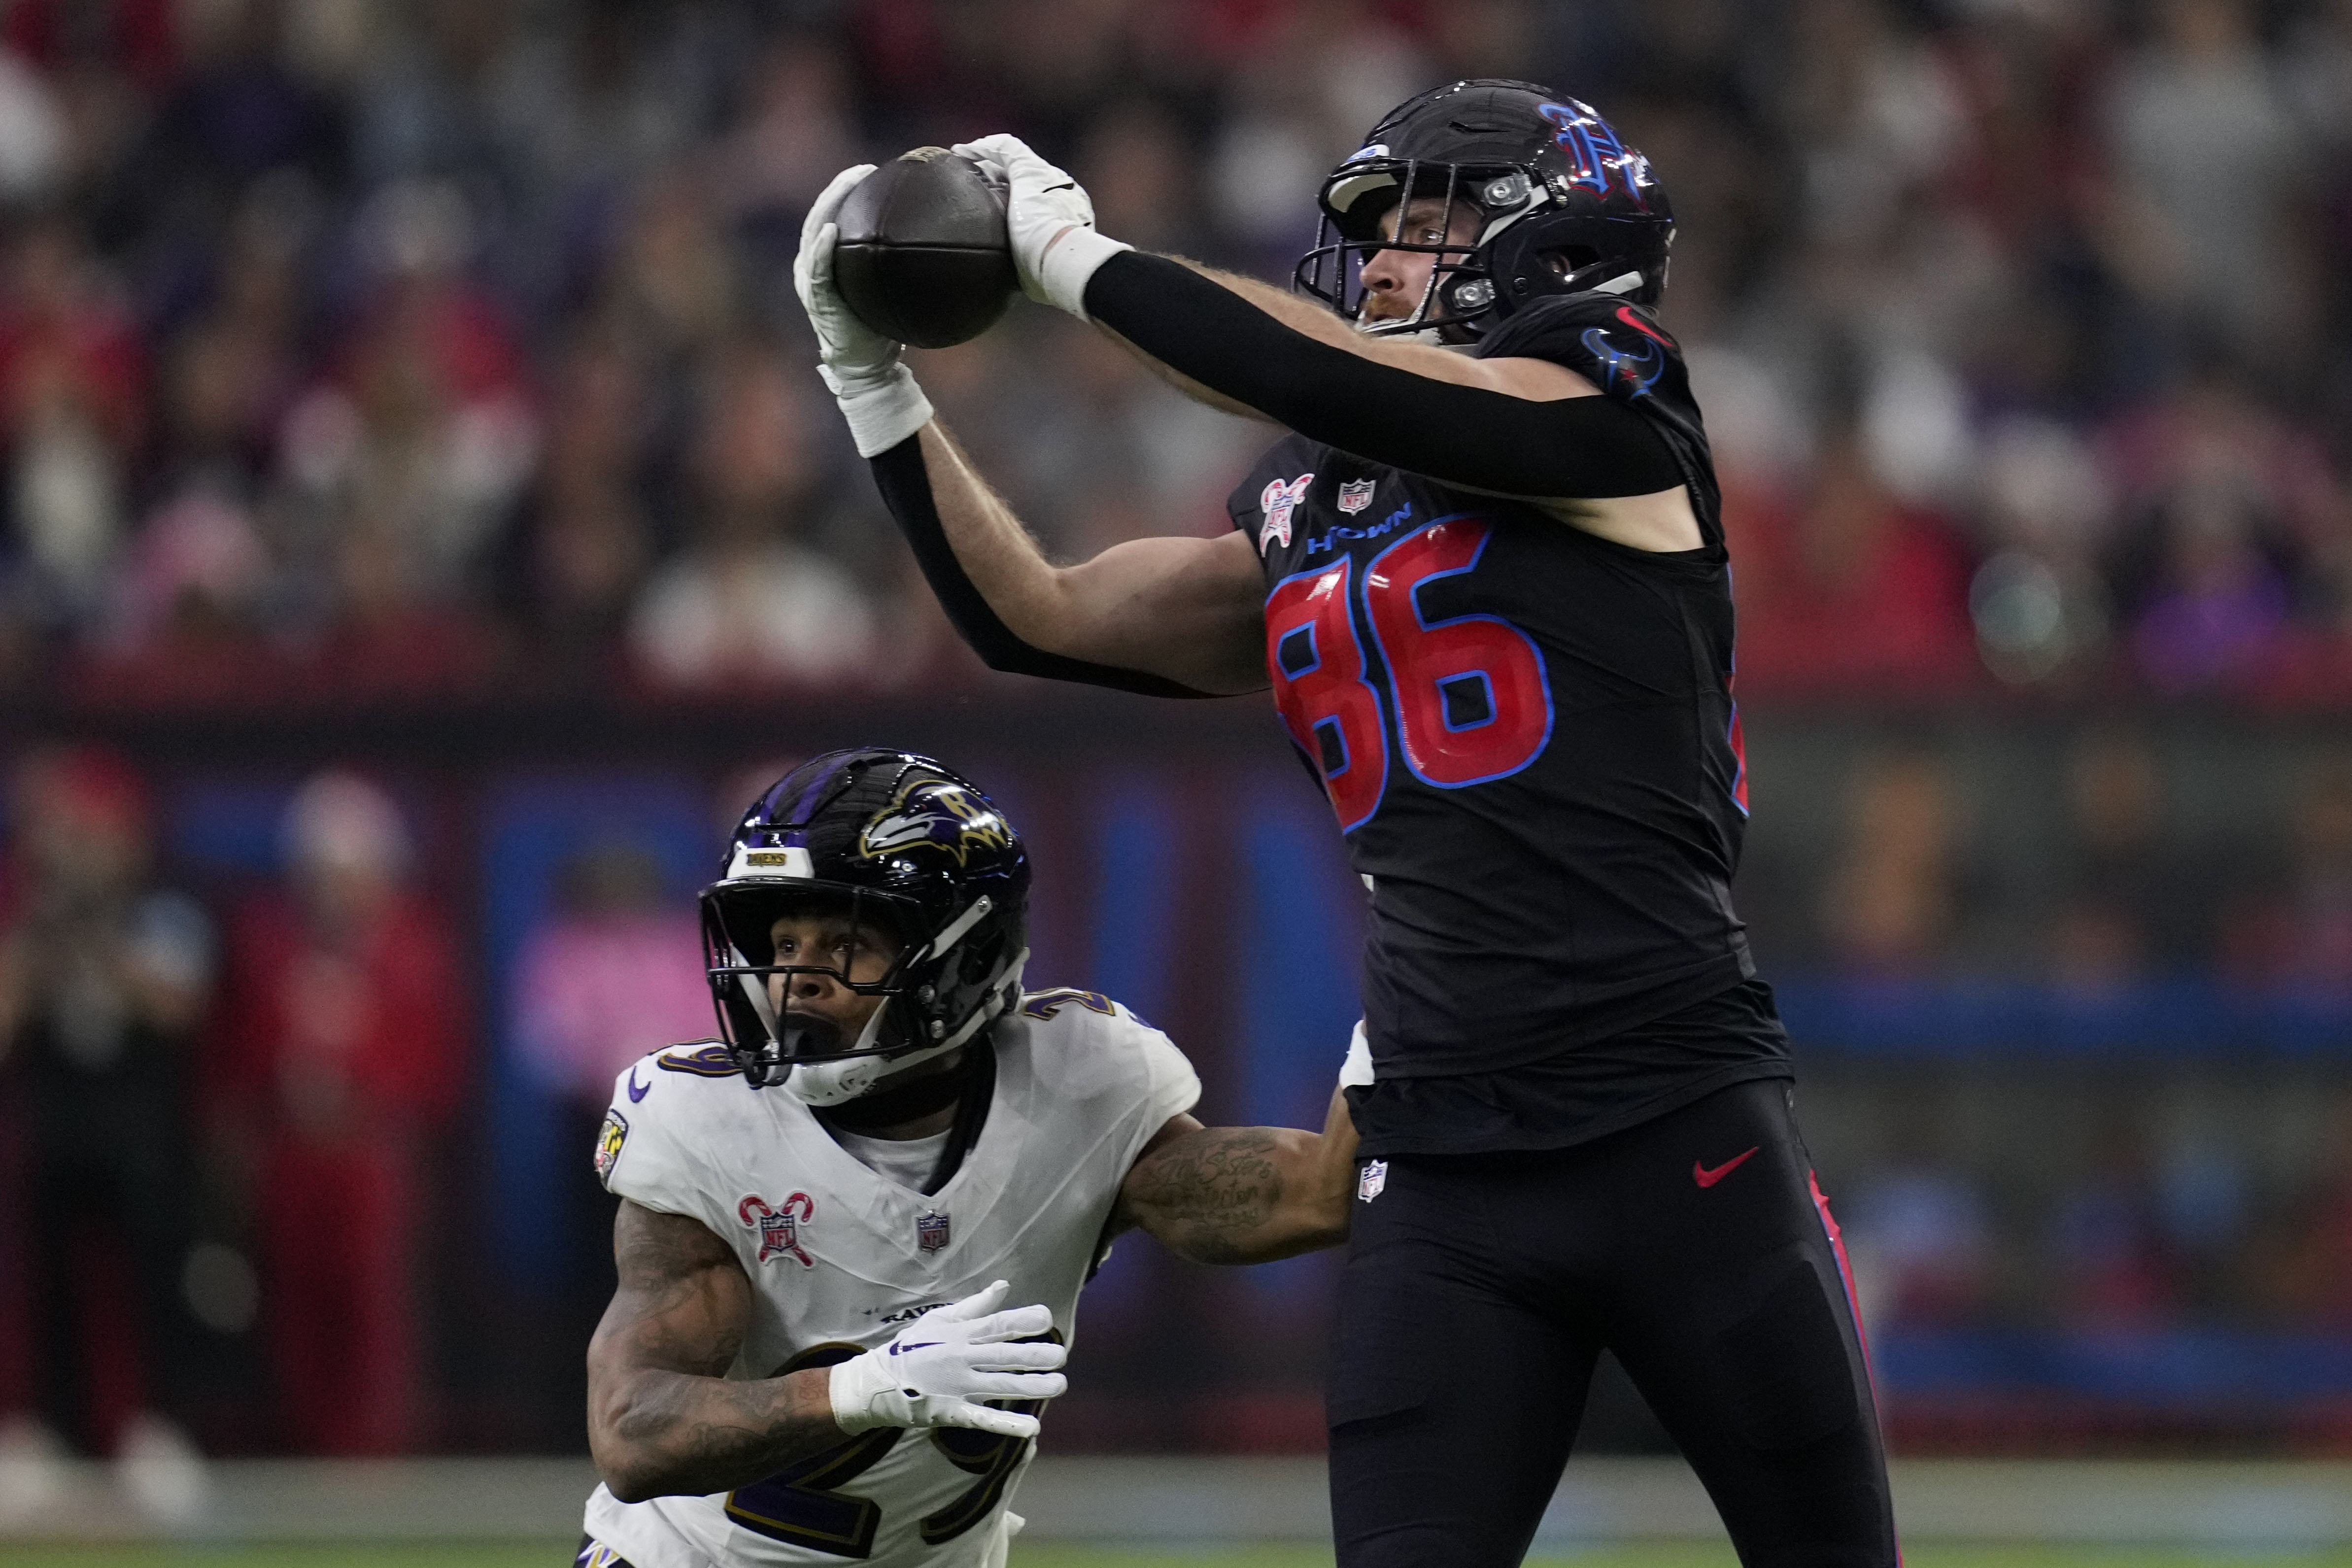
[924,257]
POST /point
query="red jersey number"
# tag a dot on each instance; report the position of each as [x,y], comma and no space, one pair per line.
[1470,694]
[1473,702]
[1319,684]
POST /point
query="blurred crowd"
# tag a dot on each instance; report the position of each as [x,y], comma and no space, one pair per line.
[218,1114]
[232,1117]
[424,349]
[2096,864]
[2145,1226]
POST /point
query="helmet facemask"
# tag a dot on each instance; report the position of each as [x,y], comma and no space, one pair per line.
[891,843]
[1460,289]
[935,994]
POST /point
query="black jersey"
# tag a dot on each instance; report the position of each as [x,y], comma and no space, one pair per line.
[1526,732]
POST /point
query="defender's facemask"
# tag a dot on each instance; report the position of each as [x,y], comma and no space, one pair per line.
[806,1051]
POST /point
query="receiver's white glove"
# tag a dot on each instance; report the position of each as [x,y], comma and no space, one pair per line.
[875,390]
[1052,221]
[941,1364]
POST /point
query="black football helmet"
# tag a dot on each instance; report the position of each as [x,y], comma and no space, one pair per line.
[893,840]
[1566,206]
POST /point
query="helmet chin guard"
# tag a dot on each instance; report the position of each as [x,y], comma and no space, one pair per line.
[846,1077]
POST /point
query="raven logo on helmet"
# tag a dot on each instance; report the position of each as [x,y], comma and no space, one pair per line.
[934,813]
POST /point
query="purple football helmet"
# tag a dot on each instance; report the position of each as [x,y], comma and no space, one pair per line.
[893,840]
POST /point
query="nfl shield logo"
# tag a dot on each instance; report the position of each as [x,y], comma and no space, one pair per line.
[780,1227]
[1375,1177]
[1356,495]
[931,1231]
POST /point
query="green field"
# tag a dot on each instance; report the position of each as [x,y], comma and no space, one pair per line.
[554,1554]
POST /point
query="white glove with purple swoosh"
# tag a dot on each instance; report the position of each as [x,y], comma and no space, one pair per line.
[945,1361]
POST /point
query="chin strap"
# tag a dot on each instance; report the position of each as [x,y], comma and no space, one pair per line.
[846,1077]
[833,1082]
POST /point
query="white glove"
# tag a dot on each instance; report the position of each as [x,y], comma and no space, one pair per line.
[1052,219]
[944,1362]
[875,390]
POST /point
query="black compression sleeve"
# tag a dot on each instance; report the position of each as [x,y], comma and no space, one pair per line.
[1581,448]
[906,485]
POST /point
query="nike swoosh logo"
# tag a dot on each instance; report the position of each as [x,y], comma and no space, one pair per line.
[1625,314]
[636,1092]
[1706,1178]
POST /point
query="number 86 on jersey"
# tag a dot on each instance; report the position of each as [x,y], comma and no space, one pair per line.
[1469,696]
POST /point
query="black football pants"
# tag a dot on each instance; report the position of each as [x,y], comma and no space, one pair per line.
[1480,1289]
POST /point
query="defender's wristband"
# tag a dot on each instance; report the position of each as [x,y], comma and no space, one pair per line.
[857,1385]
[1356,1072]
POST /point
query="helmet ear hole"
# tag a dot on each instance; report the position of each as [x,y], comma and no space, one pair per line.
[1571,260]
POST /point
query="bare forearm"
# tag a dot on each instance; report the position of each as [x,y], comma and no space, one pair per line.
[661,1421]
[1004,562]
[1240,1195]
[661,1434]
[1170,617]
[1173,617]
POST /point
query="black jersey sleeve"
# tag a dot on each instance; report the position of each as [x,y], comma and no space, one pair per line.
[1580,448]
[1621,349]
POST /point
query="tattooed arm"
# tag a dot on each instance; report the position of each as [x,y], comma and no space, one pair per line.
[662,1418]
[1242,1194]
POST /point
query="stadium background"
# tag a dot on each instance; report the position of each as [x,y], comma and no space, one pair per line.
[411,396]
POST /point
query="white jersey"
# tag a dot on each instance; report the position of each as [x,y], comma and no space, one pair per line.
[840,1258]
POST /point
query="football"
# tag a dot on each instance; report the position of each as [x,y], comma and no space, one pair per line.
[923,256]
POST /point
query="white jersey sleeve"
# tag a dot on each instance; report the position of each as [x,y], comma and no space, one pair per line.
[1143,1063]
[1172,1088]
[649,1150]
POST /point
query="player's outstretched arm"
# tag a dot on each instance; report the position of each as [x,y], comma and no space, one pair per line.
[1503,425]
[1167,617]
[662,1418]
[1244,1194]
